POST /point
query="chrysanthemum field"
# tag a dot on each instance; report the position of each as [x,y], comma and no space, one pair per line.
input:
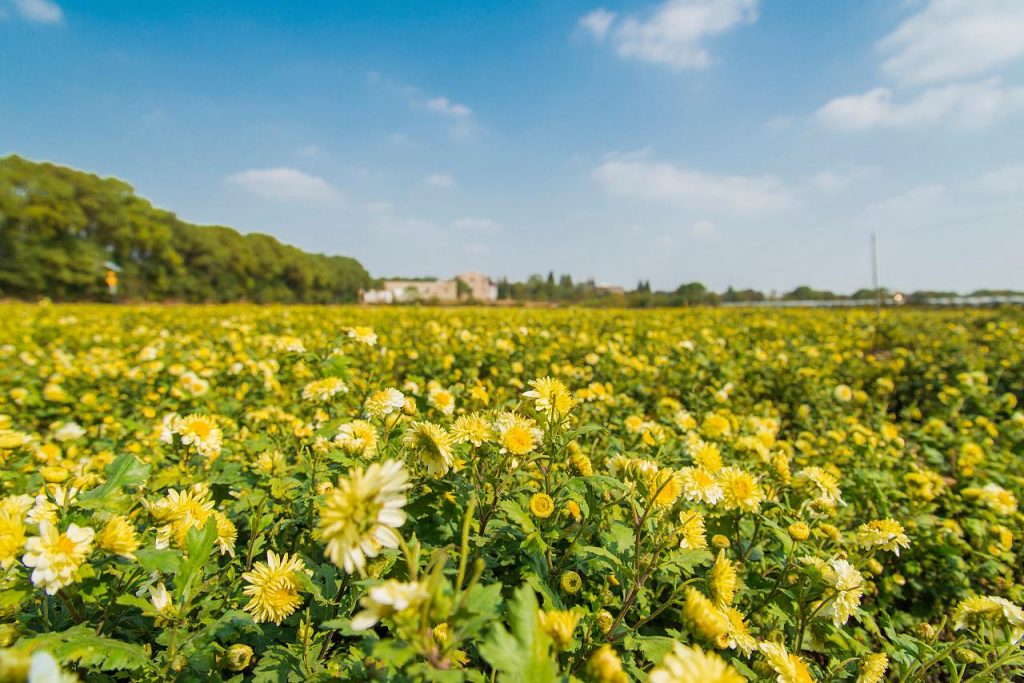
[302,494]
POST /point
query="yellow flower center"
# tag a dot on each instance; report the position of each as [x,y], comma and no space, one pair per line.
[518,440]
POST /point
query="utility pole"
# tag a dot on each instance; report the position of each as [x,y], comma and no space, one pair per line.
[874,270]
[878,287]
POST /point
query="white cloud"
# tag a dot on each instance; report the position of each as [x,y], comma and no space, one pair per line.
[597,22]
[477,225]
[952,39]
[309,152]
[966,105]
[1006,180]
[284,184]
[906,206]
[440,180]
[674,33]
[463,123]
[478,249]
[665,182]
[834,182]
[39,11]
[442,105]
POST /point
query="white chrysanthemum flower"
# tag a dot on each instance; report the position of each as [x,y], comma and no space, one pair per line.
[385,402]
[55,557]
[360,515]
[389,598]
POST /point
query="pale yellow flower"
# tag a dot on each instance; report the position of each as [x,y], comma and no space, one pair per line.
[56,556]
[361,513]
[690,664]
[273,587]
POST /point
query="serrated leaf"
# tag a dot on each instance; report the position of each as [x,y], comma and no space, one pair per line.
[525,653]
[654,647]
[126,470]
[81,645]
[164,560]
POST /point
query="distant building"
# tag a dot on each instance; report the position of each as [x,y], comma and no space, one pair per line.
[614,290]
[475,286]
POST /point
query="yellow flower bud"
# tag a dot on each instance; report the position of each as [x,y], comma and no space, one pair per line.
[238,657]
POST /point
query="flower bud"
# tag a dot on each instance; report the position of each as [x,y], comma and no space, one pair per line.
[799,531]
[238,657]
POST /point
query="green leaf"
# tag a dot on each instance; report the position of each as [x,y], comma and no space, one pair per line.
[81,645]
[600,552]
[525,653]
[164,560]
[198,547]
[126,470]
[654,647]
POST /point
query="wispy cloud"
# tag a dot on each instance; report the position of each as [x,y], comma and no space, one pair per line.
[441,181]
[462,123]
[966,105]
[666,182]
[928,56]
[39,11]
[597,23]
[673,34]
[952,39]
[284,184]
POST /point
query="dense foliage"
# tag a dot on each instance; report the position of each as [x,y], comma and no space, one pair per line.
[299,494]
[58,227]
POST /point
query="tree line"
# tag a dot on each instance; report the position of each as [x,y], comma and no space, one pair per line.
[562,290]
[61,229]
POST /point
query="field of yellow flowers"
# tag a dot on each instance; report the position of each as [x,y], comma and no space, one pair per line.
[306,494]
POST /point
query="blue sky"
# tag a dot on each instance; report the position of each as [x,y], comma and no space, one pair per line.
[752,143]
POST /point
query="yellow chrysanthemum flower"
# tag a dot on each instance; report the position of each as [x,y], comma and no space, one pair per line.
[473,429]
[665,487]
[358,437]
[541,505]
[882,534]
[992,610]
[273,587]
[550,396]
[12,537]
[202,433]
[737,636]
[788,667]
[692,530]
[702,614]
[700,486]
[323,390]
[560,625]
[118,537]
[707,456]
[740,490]
[722,580]
[872,668]
[606,667]
[432,445]
[686,664]
[384,402]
